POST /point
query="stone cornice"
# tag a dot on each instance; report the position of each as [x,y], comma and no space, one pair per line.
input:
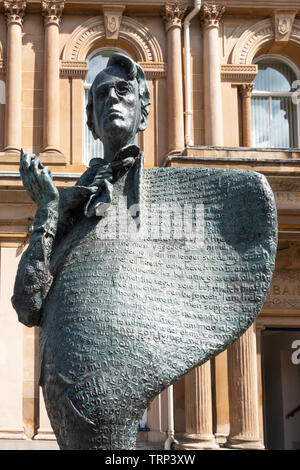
[154,69]
[73,69]
[14,11]
[266,161]
[154,6]
[79,69]
[52,11]
[238,74]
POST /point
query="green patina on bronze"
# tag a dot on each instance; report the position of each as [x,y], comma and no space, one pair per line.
[136,276]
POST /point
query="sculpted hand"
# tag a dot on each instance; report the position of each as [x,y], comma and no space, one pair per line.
[37,180]
[103,173]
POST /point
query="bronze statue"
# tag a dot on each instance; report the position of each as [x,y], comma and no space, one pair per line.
[129,293]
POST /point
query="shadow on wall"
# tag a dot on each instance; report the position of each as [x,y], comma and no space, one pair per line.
[2,92]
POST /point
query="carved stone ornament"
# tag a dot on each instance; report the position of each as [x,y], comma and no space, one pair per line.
[211,14]
[173,14]
[14,11]
[112,20]
[52,11]
[283,22]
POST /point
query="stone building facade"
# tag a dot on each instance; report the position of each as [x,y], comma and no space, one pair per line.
[224,86]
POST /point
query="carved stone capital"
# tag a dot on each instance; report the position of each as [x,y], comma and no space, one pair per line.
[211,14]
[112,19]
[246,90]
[52,11]
[2,66]
[173,14]
[14,11]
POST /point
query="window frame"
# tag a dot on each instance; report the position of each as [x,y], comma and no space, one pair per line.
[270,94]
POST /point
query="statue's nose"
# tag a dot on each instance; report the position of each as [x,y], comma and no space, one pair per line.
[112,96]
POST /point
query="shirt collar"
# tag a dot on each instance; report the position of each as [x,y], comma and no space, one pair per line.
[125,152]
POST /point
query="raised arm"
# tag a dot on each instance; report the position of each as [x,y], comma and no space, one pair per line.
[34,279]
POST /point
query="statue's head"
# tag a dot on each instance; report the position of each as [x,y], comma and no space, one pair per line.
[118,102]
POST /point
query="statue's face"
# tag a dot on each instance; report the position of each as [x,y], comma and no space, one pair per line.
[116,110]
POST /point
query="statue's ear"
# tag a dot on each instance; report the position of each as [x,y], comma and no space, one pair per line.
[144,116]
[143,122]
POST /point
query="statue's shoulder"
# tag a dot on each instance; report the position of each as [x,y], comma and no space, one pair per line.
[188,173]
[203,182]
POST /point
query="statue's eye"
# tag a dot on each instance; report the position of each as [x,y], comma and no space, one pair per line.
[101,92]
[122,88]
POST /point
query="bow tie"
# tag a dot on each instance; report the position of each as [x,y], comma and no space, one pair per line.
[107,174]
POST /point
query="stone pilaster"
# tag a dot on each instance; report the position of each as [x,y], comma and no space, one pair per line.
[198,410]
[246,93]
[51,11]
[173,15]
[243,393]
[14,11]
[210,18]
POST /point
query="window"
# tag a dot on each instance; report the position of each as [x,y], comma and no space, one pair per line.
[274,115]
[97,62]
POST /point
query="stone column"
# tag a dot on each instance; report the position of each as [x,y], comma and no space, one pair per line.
[246,92]
[243,393]
[221,424]
[44,429]
[173,16]
[52,11]
[11,350]
[157,418]
[259,329]
[14,11]
[213,114]
[198,410]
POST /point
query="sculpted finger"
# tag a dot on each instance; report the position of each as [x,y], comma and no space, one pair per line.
[35,165]
[25,162]
[47,171]
[46,179]
[98,178]
[25,172]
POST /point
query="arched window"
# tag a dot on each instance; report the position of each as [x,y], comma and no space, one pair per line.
[97,62]
[275,120]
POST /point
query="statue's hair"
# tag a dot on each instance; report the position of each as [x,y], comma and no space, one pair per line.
[134,71]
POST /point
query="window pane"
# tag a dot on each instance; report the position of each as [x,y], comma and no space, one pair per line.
[261,129]
[96,64]
[93,148]
[274,76]
[284,122]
